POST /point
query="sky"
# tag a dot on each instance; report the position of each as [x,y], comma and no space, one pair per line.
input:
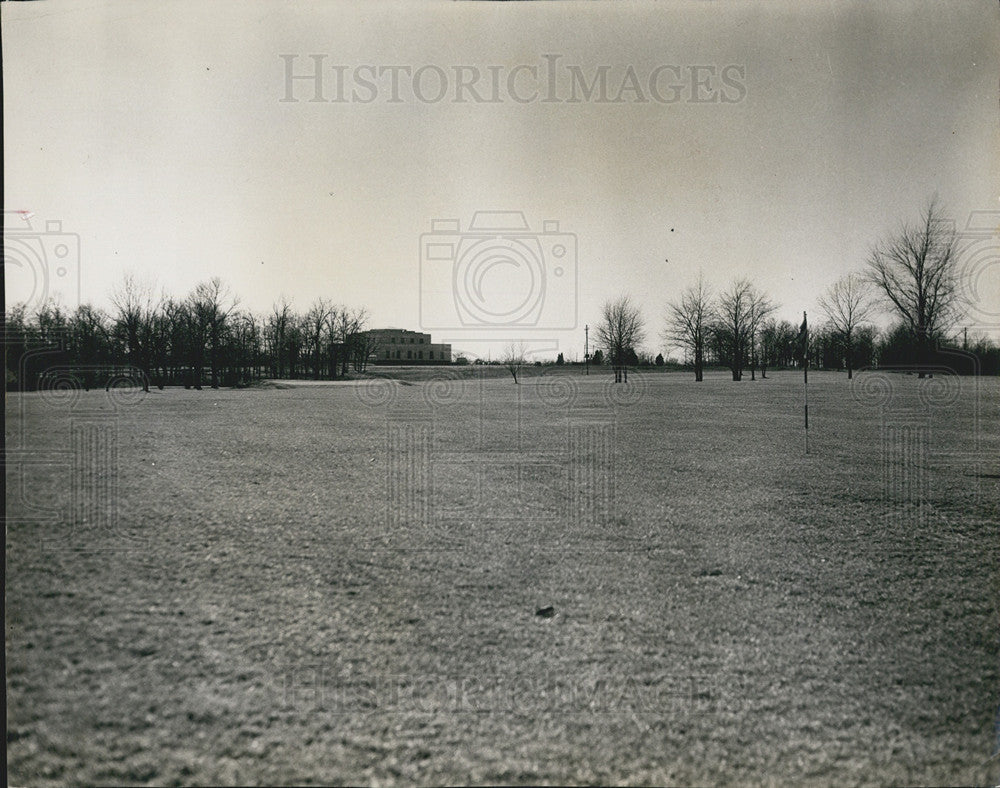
[776,141]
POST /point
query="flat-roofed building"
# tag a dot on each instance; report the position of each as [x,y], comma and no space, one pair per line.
[399,346]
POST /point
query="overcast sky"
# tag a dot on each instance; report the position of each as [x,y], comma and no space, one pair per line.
[771,140]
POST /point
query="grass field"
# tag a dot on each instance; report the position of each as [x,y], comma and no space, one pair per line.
[338,583]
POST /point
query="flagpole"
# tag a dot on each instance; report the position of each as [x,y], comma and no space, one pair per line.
[805,375]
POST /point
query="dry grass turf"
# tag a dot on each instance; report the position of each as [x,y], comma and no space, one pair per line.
[338,583]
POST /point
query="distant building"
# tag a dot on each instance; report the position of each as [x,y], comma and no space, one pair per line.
[399,346]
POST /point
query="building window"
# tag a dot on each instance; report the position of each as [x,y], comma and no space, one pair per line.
[397,354]
[420,355]
[432,355]
[409,354]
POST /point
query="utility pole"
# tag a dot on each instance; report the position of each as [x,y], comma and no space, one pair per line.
[586,348]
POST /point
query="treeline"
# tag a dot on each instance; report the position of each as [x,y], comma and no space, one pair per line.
[205,339]
[778,346]
[915,275]
[734,330]
[896,349]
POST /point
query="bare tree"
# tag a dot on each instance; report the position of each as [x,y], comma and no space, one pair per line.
[848,305]
[246,334]
[211,304]
[915,270]
[513,358]
[767,339]
[313,325]
[292,347]
[161,335]
[135,310]
[174,341]
[365,347]
[346,331]
[341,327]
[334,344]
[52,321]
[620,330]
[760,309]
[688,322]
[275,335]
[732,329]
[92,342]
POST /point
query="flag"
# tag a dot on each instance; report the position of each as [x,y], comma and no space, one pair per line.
[802,353]
[802,341]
